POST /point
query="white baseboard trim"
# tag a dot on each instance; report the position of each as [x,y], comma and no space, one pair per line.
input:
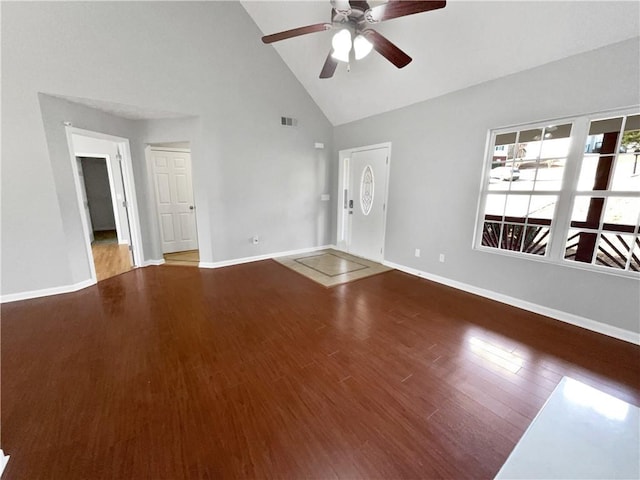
[238,261]
[45,292]
[151,262]
[609,330]
[3,461]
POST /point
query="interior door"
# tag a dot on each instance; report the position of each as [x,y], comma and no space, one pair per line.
[85,200]
[174,199]
[368,174]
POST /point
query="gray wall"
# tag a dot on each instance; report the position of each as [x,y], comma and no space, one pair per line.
[96,181]
[437,156]
[251,175]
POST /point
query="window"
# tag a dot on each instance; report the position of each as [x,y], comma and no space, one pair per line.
[565,191]
[604,219]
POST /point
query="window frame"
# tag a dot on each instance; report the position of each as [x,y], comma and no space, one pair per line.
[560,226]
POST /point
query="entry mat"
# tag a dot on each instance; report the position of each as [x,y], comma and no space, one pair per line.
[332,267]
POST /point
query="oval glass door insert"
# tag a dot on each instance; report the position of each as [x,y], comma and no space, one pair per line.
[366,190]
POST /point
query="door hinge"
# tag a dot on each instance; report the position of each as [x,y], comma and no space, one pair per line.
[130,247]
[384,207]
[387,160]
[125,204]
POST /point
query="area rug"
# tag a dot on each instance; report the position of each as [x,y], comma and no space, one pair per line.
[332,267]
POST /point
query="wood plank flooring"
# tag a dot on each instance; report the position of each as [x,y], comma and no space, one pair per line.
[253,371]
[110,259]
[189,258]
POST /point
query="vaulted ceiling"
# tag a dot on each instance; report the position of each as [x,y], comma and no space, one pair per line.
[464,44]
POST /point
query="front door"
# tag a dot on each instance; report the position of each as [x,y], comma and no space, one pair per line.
[174,200]
[368,172]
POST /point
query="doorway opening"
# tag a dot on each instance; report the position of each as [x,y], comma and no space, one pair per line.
[362,211]
[110,245]
[103,175]
[171,171]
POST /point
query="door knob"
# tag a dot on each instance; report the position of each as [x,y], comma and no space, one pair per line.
[191,207]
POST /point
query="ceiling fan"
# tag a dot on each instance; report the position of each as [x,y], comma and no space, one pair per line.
[355,38]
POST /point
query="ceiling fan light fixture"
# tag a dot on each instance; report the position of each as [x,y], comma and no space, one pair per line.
[341,44]
[362,47]
[342,56]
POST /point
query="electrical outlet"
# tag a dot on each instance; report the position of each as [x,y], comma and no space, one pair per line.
[255,240]
[441,257]
[417,252]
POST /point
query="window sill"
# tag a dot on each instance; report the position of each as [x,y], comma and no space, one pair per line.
[562,263]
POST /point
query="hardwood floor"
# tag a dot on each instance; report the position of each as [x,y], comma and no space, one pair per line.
[253,371]
[110,259]
[190,258]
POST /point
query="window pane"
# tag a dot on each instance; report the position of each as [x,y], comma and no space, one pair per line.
[626,175]
[595,171]
[529,143]
[535,240]
[502,174]
[593,143]
[517,207]
[556,142]
[621,213]
[613,250]
[504,149]
[588,172]
[542,208]
[550,173]
[534,135]
[581,208]
[605,126]
[491,234]
[558,131]
[506,138]
[512,237]
[580,246]
[572,244]
[494,206]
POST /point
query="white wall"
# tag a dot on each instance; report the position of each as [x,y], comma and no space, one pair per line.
[438,151]
[205,59]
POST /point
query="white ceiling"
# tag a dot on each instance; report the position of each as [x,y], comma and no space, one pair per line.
[466,43]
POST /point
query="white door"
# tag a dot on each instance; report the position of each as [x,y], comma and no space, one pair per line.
[367,191]
[174,199]
[85,201]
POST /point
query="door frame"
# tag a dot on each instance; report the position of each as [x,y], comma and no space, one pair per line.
[343,224]
[129,190]
[148,152]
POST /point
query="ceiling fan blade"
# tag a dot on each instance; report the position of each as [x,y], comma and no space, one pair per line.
[296,32]
[329,67]
[395,9]
[387,49]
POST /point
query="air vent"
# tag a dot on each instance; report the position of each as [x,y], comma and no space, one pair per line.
[288,121]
